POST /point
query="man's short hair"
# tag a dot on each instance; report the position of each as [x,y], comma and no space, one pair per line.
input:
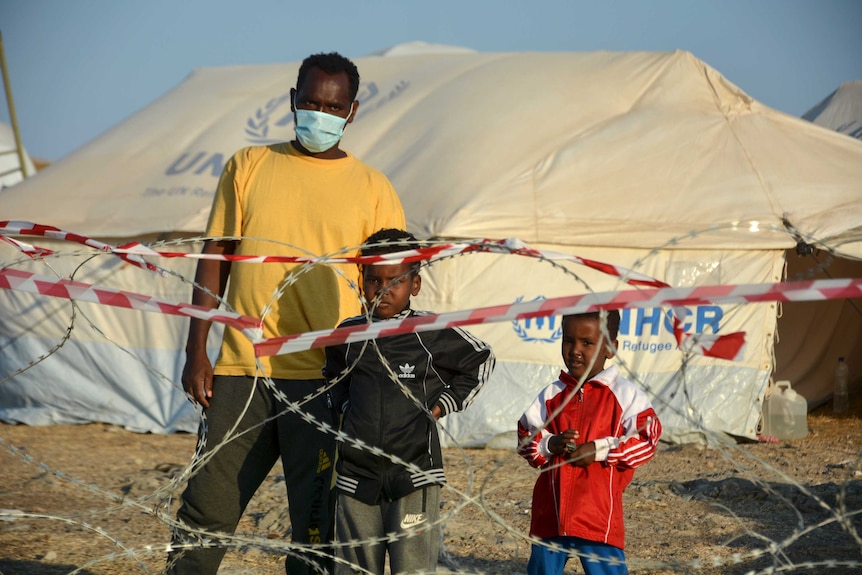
[331,63]
[390,240]
[613,320]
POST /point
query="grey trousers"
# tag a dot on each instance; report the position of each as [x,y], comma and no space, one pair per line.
[410,517]
[219,492]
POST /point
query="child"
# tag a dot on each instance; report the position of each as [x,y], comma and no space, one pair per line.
[588,439]
[438,373]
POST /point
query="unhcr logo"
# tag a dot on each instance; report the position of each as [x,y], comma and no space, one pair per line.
[273,122]
[257,126]
[538,329]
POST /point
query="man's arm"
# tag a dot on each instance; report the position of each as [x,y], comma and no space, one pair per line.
[335,372]
[212,275]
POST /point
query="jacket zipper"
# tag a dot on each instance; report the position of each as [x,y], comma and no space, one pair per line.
[580,424]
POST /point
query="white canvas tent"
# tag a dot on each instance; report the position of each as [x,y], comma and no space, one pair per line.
[841,110]
[651,161]
[831,329]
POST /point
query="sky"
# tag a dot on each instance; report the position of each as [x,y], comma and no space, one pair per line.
[78,67]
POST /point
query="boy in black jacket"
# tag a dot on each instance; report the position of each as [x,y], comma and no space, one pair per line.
[392,391]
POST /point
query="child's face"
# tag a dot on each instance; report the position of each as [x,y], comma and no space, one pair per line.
[393,284]
[582,340]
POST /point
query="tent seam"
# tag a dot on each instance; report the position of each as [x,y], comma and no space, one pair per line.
[725,112]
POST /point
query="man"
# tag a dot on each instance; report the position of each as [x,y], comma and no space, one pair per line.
[305,196]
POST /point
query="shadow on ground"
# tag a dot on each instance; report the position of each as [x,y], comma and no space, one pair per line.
[20,567]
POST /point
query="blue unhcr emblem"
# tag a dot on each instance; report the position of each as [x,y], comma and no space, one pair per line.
[538,329]
[257,126]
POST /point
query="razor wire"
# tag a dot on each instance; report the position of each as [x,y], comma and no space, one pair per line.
[158,503]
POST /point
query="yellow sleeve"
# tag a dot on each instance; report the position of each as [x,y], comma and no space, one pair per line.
[226,213]
[390,212]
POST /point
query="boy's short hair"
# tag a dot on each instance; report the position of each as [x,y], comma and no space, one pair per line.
[390,240]
[613,320]
[331,63]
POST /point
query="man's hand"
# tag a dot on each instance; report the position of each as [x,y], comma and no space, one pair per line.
[198,377]
[212,275]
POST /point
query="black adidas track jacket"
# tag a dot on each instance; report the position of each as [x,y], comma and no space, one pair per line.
[386,410]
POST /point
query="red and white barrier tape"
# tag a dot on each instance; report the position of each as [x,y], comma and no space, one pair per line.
[30,229]
[133,253]
[27,249]
[43,285]
[726,347]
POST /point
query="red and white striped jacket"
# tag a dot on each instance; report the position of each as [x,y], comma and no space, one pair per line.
[586,502]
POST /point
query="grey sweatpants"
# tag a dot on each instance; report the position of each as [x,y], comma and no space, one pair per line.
[410,517]
[219,492]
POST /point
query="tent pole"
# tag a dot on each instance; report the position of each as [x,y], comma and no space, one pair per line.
[12,118]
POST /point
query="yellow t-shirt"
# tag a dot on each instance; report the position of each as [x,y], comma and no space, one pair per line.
[283,202]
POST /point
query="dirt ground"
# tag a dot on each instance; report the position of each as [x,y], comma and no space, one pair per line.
[98,498]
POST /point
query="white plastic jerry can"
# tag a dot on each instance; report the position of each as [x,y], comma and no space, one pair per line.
[785,413]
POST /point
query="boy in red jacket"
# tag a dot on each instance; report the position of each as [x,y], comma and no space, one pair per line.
[587,431]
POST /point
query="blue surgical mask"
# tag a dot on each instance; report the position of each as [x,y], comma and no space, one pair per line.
[319,131]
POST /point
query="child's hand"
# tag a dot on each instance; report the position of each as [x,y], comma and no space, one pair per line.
[583,455]
[564,442]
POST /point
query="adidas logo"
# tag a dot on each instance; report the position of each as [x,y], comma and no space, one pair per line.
[323,462]
[406,371]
